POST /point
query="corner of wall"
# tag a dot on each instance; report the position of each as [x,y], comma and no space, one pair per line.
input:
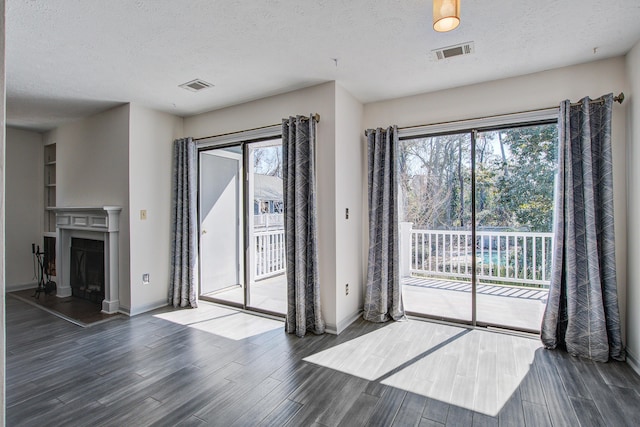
[633,207]
[151,136]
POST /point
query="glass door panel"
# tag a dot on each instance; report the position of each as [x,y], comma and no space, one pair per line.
[267,288]
[221,225]
[435,226]
[514,194]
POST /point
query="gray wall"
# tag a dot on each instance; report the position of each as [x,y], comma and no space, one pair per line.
[2,186]
[24,205]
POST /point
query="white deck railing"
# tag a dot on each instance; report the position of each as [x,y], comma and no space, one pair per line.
[501,257]
[268,220]
[269,253]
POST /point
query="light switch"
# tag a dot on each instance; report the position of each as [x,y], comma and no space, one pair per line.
[143,214]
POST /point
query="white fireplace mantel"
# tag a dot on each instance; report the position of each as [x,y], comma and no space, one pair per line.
[98,223]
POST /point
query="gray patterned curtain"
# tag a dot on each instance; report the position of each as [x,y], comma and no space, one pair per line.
[303,287]
[184,247]
[383,295]
[582,309]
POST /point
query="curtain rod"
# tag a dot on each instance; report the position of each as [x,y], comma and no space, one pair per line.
[617,99]
[315,116]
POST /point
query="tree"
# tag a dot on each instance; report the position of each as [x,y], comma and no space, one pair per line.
[514,179]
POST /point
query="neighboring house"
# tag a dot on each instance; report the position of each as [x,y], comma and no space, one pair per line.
[267,194]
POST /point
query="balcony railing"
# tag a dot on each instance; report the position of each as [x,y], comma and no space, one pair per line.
[502,257]
[269,253]
[272,220]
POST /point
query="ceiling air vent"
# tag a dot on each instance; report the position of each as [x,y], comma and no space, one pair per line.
[456,50]
[196,85]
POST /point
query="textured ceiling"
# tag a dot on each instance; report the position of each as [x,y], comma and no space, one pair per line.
[67,59]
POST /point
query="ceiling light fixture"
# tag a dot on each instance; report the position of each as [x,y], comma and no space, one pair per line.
[446,15]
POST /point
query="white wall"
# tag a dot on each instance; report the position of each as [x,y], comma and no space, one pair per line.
[150,158]
[633,208]
[529,92]
[268,111]
[92,169]
[2,236]
[24,205]
[350,170]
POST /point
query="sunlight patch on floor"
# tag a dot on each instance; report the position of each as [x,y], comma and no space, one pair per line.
[473,369]
[224,322]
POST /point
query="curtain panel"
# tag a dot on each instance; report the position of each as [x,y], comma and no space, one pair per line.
[383,294]
[582,308]
[184,240]
[300,221]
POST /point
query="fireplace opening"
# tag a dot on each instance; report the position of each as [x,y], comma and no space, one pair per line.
[87,269]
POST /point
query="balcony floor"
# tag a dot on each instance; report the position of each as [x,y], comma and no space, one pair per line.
[267,294]
[510,306]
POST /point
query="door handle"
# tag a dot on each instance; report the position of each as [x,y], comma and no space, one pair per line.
[204,231]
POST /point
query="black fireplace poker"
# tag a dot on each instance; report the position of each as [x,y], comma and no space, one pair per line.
[46,286]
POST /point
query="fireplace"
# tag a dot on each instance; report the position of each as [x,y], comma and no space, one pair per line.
[87,269]
[88,254]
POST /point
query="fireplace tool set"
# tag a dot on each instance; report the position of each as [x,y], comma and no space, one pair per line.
[47,286]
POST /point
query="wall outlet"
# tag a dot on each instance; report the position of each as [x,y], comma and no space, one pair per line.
[143,214]
[346,213]
[346,289]
[145,279]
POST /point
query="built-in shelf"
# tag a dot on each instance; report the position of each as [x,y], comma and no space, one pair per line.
[49,239]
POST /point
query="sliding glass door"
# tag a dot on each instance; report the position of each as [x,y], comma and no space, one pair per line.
[435,227]
[242,254]
[514,195]
[476,224]
[267,275]
[221,225]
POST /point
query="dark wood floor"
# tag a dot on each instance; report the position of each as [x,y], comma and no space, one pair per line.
[147,370]
[79,310]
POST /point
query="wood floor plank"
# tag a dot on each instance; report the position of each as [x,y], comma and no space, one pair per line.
[387,407]
[360,411]
[627,399]
[560,409]
[410,412]
[281,415]
[535,415]
[605,401]
[436,410]
[458,416]
[148,370]
[348,395]
[570,375]
[483,420]
[619,374]
[425,422]
[512,413]
[587,412]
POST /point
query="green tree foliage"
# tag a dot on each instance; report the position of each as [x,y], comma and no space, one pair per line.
[515,171]
[526,186]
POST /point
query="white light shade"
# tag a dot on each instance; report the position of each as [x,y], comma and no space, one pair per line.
[446,15]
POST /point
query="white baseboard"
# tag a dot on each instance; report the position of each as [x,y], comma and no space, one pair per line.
[20,286]
[632,360]
[344,323]
[330,328]
[146,307]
